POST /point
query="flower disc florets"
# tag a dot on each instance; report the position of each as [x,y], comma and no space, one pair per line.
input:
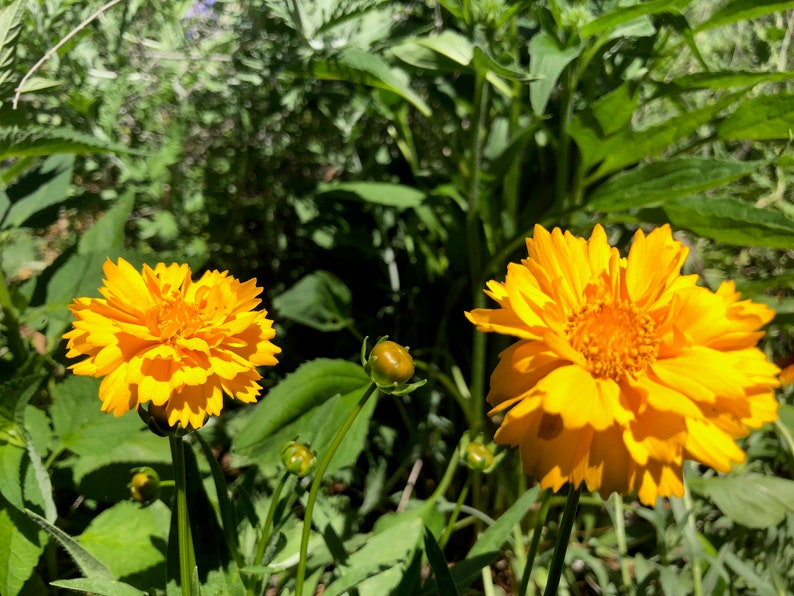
[623,368]
[158,337]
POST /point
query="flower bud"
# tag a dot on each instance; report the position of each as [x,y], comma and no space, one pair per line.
[145,485]
[298,458]
[390,367]
[156,418]
[477,456]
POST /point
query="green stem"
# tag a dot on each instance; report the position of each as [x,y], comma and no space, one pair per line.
[619,522]
[697,572]
[564,535]
[317,482]
[11,321]
[456,512]
[187,557]
[540,520]
[264,537]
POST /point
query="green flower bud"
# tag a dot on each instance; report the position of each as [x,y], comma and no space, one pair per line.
[298,458]
[477,456]
[390,367]
[145,485]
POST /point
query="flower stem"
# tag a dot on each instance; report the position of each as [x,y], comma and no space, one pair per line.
[456,512]
[264,537]
[540,520]
[317,481]
[619,521]
[187,556]
[564,535]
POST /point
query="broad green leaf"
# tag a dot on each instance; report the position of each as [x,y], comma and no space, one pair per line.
[449,44]
[378,567]
[625,14]
[753,500]
[732,221]
[101,587]
[320,300]
[614,111]
[89,566]
[725,79]
[11,17]
[379,193]
[14,396]
[45,187]
[107,235]
[661,181]
[309,387]
[363,68]
[761,118]
[547,60]
[130,540]
[21,546]
[741,10]
[40,141]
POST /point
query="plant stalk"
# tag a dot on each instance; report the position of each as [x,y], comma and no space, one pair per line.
[564,535]
[187,556]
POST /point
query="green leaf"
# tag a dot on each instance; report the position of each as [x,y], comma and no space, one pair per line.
[309,387]
[761,118]
[379,193]
[107,235]
[21,546]
[45,187]
[40,141]
[450,44]
[363,68]
[740,10]
[732,221]
[753,500]
[615,110]
[90,566]
[320,300]
[625,14]
[378,567]
[130,540]
[725,80]
[101,587]
[11,18]
[438,562]
[547,60]
[662,181]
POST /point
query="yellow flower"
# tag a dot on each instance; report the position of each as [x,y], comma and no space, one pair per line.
[159,337]
[623,368]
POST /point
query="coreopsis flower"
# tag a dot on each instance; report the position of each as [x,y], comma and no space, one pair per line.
[623,367]
[158,337]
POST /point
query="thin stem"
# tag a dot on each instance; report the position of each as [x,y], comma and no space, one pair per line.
[564,535]
[317,482]
[11,321]
[619,522]
[540,520]
[264,537]
[187,557]
[456,512]
[697,572]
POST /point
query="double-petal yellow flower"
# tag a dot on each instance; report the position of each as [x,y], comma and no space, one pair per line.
[623,367]
[159,337]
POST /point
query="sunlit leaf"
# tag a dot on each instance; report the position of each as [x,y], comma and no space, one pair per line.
[547,60]
[761,118]
[753,500]
[741,10]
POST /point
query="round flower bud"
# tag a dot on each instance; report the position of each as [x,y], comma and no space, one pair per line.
[389,364]
[298,459]
[145,485]
[477,456]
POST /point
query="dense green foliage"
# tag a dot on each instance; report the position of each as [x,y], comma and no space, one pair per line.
[373,164]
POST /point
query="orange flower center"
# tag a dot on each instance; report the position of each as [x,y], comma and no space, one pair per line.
[173,318]
[615,338]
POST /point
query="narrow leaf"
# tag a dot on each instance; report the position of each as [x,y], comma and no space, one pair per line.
[101,587]
[761,118]
[625,14]
[661,181]
[732,221]
[38,141]
[389,194]
[741,10]
[438,562]
[725,80]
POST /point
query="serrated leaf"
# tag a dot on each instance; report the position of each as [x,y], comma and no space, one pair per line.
[740,10]
[379,193]
[658,182]
[309,387]
[732,221]
[107,234]
[21,546]
[360,67]
[88,564]
[762,118]
[10,27]
[101,587]
[547,60]
[753,500]
[39,141]
[320,300]
[625,14]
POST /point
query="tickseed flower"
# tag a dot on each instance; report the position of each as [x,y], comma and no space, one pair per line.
[623,367]
[157,337]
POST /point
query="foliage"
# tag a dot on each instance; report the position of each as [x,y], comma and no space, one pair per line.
[373,164]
